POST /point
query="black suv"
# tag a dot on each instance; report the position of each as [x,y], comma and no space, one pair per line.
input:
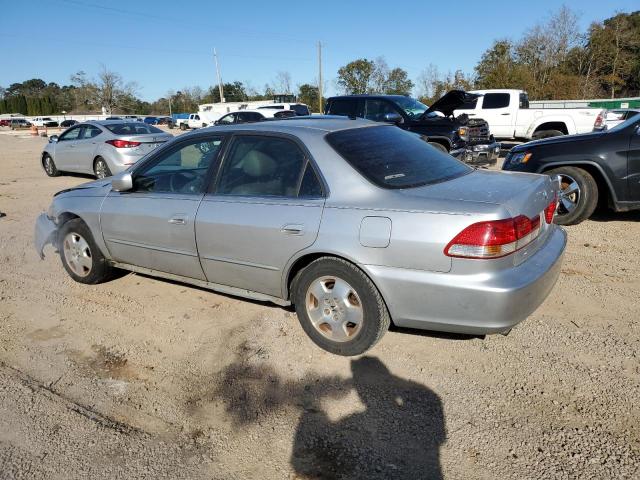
[592,167]
[464,138]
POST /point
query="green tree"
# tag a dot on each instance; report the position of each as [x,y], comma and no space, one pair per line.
[398,82]
[357,77]
[308,94]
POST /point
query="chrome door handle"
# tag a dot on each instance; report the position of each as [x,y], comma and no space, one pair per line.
[178,220]
[505,114]
[293,229]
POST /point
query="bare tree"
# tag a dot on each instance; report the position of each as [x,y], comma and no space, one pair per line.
[282,83]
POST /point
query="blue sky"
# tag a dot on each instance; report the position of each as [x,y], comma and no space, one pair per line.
[164,45]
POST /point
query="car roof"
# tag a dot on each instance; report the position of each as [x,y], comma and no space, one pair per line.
[369,95]
[324,123]
[109,122]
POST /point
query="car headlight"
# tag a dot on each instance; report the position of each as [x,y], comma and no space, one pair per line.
[463,132]
[50,212]
[519,157]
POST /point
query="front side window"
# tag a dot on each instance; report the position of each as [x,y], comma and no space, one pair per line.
[227,119]
[262,166]
[71,134]
[376,109]
[469,104]
[412,107]
[495,100]
[182,169]
[393,158]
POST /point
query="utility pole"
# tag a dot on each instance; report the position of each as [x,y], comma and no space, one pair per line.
[320,78]
[170,113]
[215,56]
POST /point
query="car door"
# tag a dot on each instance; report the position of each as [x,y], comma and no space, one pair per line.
[65,156]
[85,147]
[152,225]
[265,207]
[633,164]
[495,110]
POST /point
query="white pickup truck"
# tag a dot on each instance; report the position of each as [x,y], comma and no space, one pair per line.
[508,114]
[194,121]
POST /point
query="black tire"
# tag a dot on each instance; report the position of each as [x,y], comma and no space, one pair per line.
[49,166]
[183,126]
[204,125]
[101,168]
[585,198]
[375,316]
[547,134]
[439,146]
[99,269]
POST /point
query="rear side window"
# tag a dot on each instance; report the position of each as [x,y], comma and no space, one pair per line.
[343,106]
[262,166]
[469,104]
[495,100]
[132,128]
[524,101]
[394,158]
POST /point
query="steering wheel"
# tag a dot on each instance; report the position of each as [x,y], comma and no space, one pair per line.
[185,182]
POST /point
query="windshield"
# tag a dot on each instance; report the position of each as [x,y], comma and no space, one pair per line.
[628,122]
[411,106]
[131,128]
[394,158]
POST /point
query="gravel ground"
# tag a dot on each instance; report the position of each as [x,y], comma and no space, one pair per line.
[143,378]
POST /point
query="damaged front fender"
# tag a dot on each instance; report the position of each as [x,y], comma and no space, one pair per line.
[45,232]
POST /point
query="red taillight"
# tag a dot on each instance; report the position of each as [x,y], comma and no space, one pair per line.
[123,143]
[550,211]
[495,238]
[599,121]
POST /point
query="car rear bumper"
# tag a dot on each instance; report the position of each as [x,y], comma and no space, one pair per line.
[45,233]
[471,304]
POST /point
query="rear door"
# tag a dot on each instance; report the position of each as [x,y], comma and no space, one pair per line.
[266,206]
[153,225]
[496,111]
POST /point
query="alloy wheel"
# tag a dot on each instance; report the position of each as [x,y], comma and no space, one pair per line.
[101,169]
[569,194]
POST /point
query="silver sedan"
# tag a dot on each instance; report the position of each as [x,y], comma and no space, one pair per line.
[355,223]
[100,148]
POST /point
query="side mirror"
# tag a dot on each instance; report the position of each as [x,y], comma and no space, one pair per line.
[53,138]
[122,182]
[393,118]
[217,122]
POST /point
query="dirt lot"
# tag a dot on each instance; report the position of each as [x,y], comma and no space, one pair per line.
[143,378]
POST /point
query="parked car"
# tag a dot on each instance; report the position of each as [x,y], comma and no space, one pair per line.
[44,122]
[356,223]
[5,122]
[166,120]
[466,139]
[17,123]
[591,167]
[194,121]
[114,118]
[616,117]
[100,148]
[509,116]
[249,116]
[68,123]
[151,120]
[300,109]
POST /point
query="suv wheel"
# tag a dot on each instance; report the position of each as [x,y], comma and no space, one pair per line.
[578,195]
[339,307]
[49,166]
[81,257]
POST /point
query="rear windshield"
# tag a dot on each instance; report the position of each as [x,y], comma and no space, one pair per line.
[394,158]
[131,128]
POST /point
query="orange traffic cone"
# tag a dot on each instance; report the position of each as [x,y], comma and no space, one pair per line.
[34,130]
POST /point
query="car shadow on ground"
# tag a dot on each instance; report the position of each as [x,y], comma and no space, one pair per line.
[397,435]
[607,215]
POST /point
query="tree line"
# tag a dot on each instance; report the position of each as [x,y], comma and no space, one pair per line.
[552,60]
